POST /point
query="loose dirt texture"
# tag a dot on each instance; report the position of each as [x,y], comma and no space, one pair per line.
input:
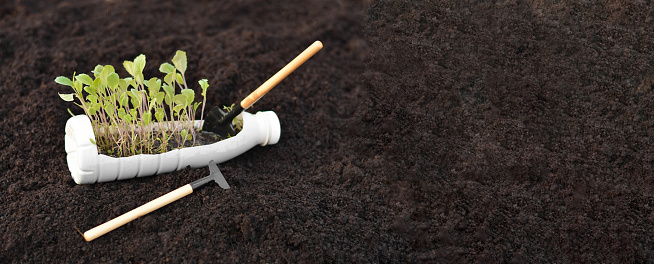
[424,131]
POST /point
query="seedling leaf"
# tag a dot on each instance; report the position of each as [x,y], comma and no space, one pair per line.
[67,97]
[168,89]
[177,108]
[109,109]
[77,85]
[180,99]
[90,90]
[130,82]
[159,97]
[121,112]
[136,98]
[129,66]
[159,114]
[190,95]
[85,79]
[92,109]
[169,79]
[180,79]
[112,80]
[98,69]
[147,118]
[138,78]
[124,99]
[64,81]
[168,99]
[109,69]
[180,61]
[154,85]
[166,68]
[104,75]
[204,84]
[127,117]
[139,64]
[92,98]
[96,83]
[122,84]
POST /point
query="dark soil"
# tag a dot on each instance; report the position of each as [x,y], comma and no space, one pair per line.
[424,131]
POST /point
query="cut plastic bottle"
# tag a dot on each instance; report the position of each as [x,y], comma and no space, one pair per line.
[88,166]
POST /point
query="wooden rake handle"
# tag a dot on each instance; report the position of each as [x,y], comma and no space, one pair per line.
[279,76]
[138,212]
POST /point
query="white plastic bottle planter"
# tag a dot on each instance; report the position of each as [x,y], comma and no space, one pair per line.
[87,166]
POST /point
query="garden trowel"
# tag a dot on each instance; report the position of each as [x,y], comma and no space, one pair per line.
[215,175]
[220,122]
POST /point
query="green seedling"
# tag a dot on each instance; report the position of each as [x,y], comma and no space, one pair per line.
[238,122]
[134,115]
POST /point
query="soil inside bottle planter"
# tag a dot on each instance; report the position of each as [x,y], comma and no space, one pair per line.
[201,138]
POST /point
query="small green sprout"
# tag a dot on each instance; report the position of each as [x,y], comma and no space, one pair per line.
[238,122]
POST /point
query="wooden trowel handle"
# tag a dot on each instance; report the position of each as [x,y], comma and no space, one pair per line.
[138,212]
[279,76]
